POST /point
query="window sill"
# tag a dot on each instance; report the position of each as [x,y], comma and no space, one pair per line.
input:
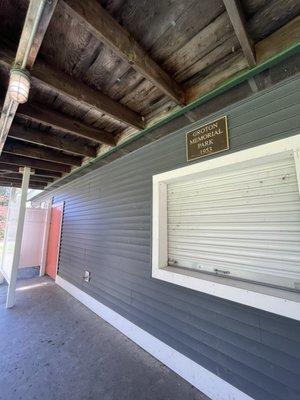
[274,300]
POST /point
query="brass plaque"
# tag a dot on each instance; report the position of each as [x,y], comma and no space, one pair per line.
[209,139]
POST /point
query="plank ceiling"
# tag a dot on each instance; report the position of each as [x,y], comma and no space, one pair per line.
[190,40]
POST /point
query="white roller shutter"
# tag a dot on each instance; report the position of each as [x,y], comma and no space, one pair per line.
[239,221]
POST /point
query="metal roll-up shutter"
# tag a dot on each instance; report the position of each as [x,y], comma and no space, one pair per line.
[241,221]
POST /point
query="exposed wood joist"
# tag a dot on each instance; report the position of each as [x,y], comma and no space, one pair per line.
[51,140]
[279,40]
[110,32]
[265,49]
[33,163]
[62,122]
[210,82]
[18,183]
[33,178]
[42,153]
[237,19]
[4,167]
[44,75]
[77,91]
[41,11]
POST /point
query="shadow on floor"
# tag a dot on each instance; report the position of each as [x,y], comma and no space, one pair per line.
[28,273]
[54,348]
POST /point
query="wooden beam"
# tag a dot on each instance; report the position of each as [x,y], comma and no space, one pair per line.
[110,32]
[72,88]
[34,30]
[237,19]
[4,167]
[41,153]
[76,90]
[44,76]
[33,178]
[62,122]
[284,37]
[18,183]
[43,172]
[265,49]
[51,140]
[33,163]
[236,64]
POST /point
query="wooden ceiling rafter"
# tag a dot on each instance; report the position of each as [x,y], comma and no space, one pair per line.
[33,177]
[237,18]
[11,168]
[51,141]
[18,183]
[23,161]
[62,122]
[110,32]
[59,120]
[45,76]
[24,149]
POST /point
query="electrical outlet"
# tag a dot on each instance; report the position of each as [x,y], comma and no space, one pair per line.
[87,276]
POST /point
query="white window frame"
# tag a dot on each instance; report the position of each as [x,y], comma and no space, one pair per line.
[275,300]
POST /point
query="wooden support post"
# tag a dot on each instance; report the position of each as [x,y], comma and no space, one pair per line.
[10,300]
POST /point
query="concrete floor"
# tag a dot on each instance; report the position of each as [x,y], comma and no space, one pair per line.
[53,348]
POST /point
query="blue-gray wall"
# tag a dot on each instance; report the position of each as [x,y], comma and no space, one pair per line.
[107,230]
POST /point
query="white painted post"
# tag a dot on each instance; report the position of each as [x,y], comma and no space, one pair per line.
[45,239]
[10,300]
[2,277]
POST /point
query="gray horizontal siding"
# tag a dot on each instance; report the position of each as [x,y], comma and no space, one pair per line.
[107,230]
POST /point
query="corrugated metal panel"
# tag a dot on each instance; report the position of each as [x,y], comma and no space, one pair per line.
[107,230]
[242,221]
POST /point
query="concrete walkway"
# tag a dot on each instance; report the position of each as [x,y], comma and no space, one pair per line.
[53,348]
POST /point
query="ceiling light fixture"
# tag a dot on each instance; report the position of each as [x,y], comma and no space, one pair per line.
[19,85]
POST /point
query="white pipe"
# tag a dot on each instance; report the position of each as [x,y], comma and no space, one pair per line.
[7,113]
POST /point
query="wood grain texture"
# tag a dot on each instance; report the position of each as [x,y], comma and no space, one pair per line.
[108,30]
[33,178]
[48,79]
[201,44]
[4,167]
[61,83]
[24,149]
[279,40]
[230,45]
[237,18]
[63,122]
[17,183]
[53,141]
[194,18]
[271,17]
[234,65]
[33,163]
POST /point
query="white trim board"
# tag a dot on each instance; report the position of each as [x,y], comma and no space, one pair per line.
[207,382]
